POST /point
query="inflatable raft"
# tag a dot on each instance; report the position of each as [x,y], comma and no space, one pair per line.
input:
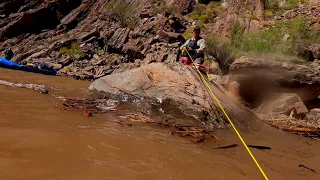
[11,65]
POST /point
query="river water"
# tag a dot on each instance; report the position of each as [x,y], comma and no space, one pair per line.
[40,141]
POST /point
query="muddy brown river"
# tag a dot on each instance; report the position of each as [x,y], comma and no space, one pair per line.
[40,141]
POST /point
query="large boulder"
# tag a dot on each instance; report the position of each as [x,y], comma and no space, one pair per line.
[179,89]
[313,117]
[284,103]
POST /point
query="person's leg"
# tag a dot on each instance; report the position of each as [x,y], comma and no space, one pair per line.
[178,55]
[184,60]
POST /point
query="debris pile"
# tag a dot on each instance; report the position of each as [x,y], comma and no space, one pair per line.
[295,126]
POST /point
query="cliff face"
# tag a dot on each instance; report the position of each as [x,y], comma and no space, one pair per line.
[93,38]
[99,36]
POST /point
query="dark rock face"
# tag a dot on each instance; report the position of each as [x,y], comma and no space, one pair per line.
[75,31]
[37,16]
[32,22]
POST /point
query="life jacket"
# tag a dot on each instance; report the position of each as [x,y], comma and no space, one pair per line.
[193,44]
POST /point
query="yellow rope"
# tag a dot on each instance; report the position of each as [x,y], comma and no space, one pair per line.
[233,126]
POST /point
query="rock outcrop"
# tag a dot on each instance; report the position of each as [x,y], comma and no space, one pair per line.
[284,103]
[72,32]
[179,89]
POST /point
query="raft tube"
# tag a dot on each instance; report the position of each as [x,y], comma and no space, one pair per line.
[11,65]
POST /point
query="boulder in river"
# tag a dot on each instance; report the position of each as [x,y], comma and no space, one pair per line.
[177,90]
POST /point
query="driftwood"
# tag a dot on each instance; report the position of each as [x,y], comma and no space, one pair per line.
[301,165]
[252,146]
[295,126]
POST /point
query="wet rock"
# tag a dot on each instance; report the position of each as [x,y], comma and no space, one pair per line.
[179,87]
[285,103]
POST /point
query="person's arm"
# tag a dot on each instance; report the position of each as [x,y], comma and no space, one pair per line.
[202,46]
[185,44]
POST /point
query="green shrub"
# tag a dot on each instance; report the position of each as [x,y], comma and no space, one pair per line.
[214,4]
[211,14]
[195,16]
[272,4]
[203,18]
[188,34]
[200,24]
[237,31]
[290,4]
[72,51]
[268,14]
[253,17]
[271,40]
[122,12]
[200,9]
[221,51]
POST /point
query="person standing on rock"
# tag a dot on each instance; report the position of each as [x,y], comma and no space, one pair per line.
[195,46]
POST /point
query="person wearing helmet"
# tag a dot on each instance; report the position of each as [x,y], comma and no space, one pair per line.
[5,62]
[194,47]
[8,54]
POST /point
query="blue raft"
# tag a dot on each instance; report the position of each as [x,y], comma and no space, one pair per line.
[11,65]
